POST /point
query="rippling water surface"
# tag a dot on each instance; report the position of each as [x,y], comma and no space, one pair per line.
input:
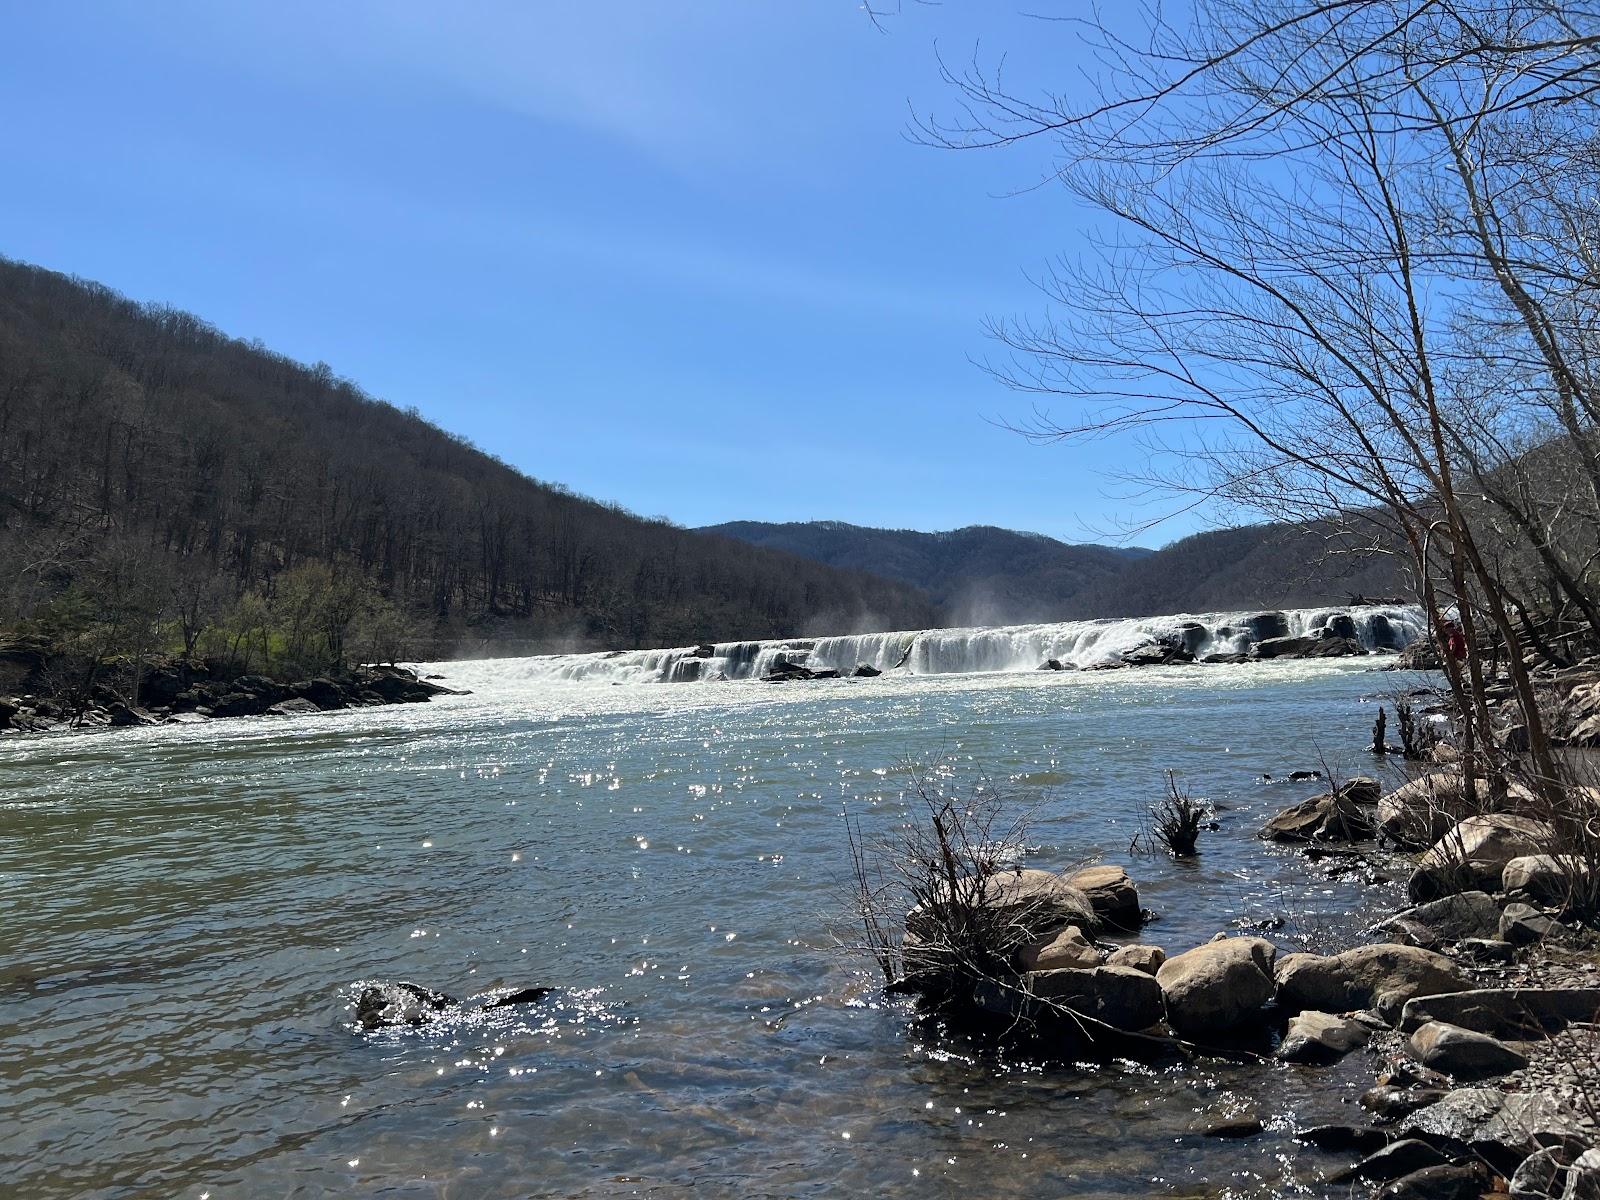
[186,907]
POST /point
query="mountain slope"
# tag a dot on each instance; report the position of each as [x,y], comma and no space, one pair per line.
[145,456]
[979,575]
[982,575]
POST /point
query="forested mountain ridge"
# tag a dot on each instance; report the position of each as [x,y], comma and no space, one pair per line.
[158,475]
[983,575]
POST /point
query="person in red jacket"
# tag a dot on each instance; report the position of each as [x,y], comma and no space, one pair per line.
[1455,642]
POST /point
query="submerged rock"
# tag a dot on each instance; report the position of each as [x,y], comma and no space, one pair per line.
[387,1005]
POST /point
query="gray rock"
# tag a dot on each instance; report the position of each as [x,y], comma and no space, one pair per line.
[1327,818]
[1319,1037]
[1390,1102]
[1505,1012]
[293,705]
[1419,813]
[1440,922]
[1541,1176]
[1217,986]
[123,716]
[1522,925]
[1396,1160]
[1464,1053]
[1544,878]
[1445,1182]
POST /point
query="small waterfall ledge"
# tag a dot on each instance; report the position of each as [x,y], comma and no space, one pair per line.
[1080,645]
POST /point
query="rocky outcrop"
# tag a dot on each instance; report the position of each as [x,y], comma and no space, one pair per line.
[1216,987]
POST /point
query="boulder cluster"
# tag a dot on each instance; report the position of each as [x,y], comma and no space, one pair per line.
[180,690]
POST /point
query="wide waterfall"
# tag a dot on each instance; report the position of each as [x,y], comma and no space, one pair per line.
[1070,644]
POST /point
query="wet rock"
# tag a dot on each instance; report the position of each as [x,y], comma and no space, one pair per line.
[292,706]
[1504,1012]
[1390,1102]
[1321,1038]
[1263,625]
[1544,878]
[1448,1181]
[1120,997]
[1303,776]
[1333,817]
[1583,1178]
[1356,978]
[866,671]
[1138,956]
[1522,925]
[1051,664]
[322,692]
[530,995]
[1215,987]
[1068,949]
[1243,1125]
[1284,647]
[241,704]
[1463,1053]
[1226,659]
[1335,647]
[1338,1138]
[1475,852]
[123,716]
[388,1005]
[1397,1160]
[1502,1128]
[1111,894]
[1541,1176]
[1440,922]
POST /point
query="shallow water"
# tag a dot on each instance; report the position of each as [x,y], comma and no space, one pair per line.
[187,906]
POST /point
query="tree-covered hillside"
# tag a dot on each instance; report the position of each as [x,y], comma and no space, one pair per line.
[165,485]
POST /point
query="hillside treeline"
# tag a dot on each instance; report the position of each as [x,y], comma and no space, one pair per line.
[166,487]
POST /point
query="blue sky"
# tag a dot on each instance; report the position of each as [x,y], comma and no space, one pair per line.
[678,256]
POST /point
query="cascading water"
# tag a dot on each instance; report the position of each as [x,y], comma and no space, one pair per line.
[1004,648]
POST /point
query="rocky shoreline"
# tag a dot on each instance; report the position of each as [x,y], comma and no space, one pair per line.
[1479,1003]
[179,692]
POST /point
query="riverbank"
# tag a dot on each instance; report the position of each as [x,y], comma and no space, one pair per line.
[180,691]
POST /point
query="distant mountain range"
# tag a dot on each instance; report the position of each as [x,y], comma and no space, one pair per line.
[982,575]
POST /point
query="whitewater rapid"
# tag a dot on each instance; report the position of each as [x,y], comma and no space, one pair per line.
[985,650]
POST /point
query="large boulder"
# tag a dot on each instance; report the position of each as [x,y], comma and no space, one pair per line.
[1319,1037]
[1446,1181]
[1463,1053]
[1285,647]
[1545,878]
[1264,625]
[1117,996]
[1014,909]
[1357,978]
[1501,1128]
[1505,1012]
[1111,894]
[1446,920]
[1475,852]
[1216,987]
[1332,817]
[1419,813]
